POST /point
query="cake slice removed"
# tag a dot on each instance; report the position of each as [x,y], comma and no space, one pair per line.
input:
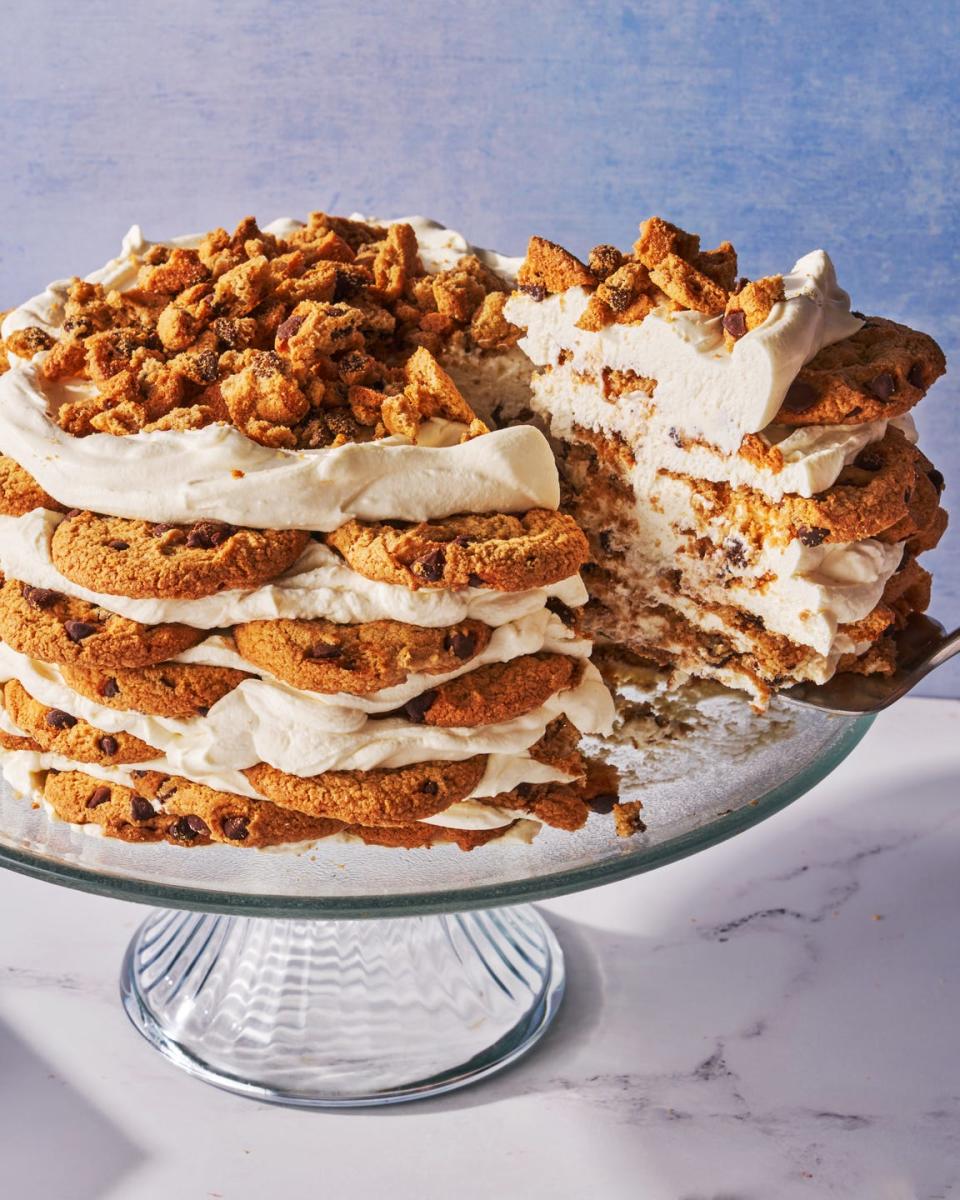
[740,454]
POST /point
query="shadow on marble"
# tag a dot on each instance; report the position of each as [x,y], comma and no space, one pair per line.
[82,1154]
[798,1007]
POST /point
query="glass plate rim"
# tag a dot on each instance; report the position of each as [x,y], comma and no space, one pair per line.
[521,891]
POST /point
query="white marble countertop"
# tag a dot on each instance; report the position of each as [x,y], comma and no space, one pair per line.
[776,1018]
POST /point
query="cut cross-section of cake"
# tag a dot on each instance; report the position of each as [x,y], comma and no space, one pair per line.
[739,452]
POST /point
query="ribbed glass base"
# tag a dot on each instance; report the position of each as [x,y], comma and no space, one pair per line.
[340,1013]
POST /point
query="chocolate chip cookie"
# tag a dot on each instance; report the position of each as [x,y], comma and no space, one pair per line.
[55,628]
[879,372]
[139,559]
[494,693]
[169,689]
[168,808]
[60,732]
[499,551]
[321,656]
[19,491]
[391,796]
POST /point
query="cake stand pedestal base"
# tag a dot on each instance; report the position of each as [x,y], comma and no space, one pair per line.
[331,1014]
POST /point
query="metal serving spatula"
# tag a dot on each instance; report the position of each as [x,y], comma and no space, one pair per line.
[922,646]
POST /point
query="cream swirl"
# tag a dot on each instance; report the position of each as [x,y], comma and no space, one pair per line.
[703,390]
[219,473]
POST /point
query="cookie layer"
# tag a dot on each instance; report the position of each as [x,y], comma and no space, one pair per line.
[60,732]
[56,628]
[142,560]
[878,373]
[494,693]
[507,553]
[382,797]
[169,689]
[19,491]
[168,808]
[321,656]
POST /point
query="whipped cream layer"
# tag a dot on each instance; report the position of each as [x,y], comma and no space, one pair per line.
[300,733]
[703,390]
[813,455]
[319,584]
[219,473]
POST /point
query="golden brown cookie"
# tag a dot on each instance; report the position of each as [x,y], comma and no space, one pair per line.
[11,741]
[48,625]
[494,693]
[169,689]
[388,796]
[423,837]
[499,551]
[60,732]
[137,558]
[872,497]
[565,805]
[19,492]
[321,656]
[878,373]
[166,807]
[549,268]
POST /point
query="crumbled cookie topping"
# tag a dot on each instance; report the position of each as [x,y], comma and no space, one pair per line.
[324,337]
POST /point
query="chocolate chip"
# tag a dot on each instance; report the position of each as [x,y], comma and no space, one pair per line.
[603,803]
[78,630]
[160,529]
[141,809]
[202,710]
[235,828]
[108,744]
[462,644]
[563,611]
[915,375]
[116,544]
[606,540]
[812,535]
[475,580]
[188,829]
[40,597]
[536,291]
[429,787]
[868,460]
[734,550]
[675,437]
[800,396]
[740,283]
[98,796]
[858,315]
[936,478]
[906,496]
[735,322]
[431,566]
[463,539]
[289,328]
[56,718]
[206,535]
[882,386]
[417,708]
[346,286]
[618,298]
[324,652]
[138,773]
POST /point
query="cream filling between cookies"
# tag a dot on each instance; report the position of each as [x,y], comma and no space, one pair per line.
[294,731]
[813,455]
[319,584]
[703,390]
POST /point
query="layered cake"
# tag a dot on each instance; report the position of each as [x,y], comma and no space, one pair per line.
[309,531]
[740,453]
[267,578]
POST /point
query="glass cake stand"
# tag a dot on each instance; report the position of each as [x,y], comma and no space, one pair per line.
[345,975]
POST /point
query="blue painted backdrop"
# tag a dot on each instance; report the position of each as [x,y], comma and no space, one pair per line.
[782,127]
